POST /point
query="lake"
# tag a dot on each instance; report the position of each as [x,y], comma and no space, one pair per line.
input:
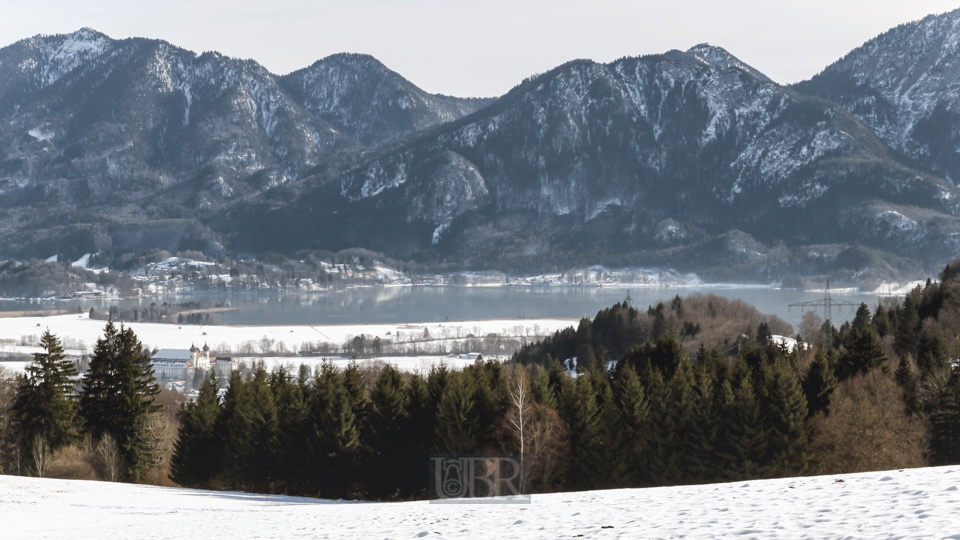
[425,304]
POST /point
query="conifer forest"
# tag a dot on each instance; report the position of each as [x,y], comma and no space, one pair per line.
[694,390]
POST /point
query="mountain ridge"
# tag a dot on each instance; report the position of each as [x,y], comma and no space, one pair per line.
[691,159]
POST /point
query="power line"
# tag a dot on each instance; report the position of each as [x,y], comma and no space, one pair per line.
[827,304]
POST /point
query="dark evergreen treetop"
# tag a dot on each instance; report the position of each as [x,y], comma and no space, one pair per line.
[118,393]
[46,404]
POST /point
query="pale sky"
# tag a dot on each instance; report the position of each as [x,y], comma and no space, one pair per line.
[483,47]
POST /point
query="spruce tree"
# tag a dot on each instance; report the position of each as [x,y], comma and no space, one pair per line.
[819,384]
[864,353]
[682,439]
[540,388]
[198,453]
[908,324]
[264,456]
[907,380]
[881,321]
[724,454]
[611,433]
[46,407]
[355,388]
[437,381]
[747,434]
[583,419]
[932,352]
[458,428]
[702,459]
[292,428]
[945,424]
[391,453]
[635,416]
[419,435]
[234,428]
[335,434]
[558,382]
[763,334]
[789,449]
[660,428]
[118,395]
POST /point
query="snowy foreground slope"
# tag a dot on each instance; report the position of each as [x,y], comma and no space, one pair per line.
[916,503]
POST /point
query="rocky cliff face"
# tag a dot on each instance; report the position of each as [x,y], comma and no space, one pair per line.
[640,155]
[137,129]
[905,85]
[689,159]
[362,98]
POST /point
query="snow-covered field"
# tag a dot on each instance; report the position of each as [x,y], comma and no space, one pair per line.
[170,336]
[913,503]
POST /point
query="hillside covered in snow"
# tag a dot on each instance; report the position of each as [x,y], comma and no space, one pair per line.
[911,503]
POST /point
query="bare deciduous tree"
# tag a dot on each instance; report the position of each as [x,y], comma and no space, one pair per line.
[109,457]
[40,453]
[868,428]
[517,418]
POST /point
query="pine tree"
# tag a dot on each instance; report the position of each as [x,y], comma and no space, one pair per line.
[540,388]
[558,382]
[488,383]
[582,416]
[819,384]
[356,389]
[724,454]
[864,353]
[235,431]
[862,318]
[458,428]
[292,428]
[335,435]
[198,452]
[118,395]
[701,441]
[46,407]
[635,416]
[612,440]
[437,381]
[881,321]
[908,323]
[789,439]
[263,457]
[763,333]
[907,380]
[682,438]
[419,435]
[390,451]
[932,352]
[945,424]
[660,429]
[747,434]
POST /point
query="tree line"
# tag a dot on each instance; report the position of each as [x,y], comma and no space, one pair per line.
[110,410]
[645,406]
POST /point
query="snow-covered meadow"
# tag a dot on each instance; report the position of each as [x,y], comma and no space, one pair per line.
[74,329]
[913,503]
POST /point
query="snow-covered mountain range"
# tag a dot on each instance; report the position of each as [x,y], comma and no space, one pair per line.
[689,159]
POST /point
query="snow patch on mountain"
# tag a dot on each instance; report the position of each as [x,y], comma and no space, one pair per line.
[64,53]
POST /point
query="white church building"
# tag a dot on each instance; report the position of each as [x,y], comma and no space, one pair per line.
[182,364]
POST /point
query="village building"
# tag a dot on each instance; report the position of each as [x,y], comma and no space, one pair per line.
[182,364]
